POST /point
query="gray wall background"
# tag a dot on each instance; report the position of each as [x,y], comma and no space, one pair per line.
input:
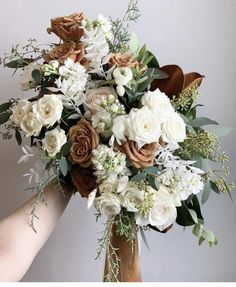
[199,35]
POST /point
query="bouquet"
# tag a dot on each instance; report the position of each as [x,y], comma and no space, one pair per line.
[105,117]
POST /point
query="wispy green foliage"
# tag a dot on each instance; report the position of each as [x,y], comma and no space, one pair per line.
[120,27]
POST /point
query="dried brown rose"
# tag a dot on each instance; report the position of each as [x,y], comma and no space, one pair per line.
[143,157]
[67,50]
[68,28]
[84,180]
[123,60]
[84,139]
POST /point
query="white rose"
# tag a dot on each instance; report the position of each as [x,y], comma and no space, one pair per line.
[31,125]
[114,184]
[122,75]
[48,109]
[94,97]
[133,197]
[119,128]
[19,110]
[174,129]
[143,126]
[53,141]
[158,103]
[163,213]
[26,80]
[108,204]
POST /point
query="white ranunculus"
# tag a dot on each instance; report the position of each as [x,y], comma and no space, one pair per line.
[108,204]
[94,97]
[48,109]
[122,75]
[158,103]
[143,126]
[119,128]
[133,197]
[31,125]
[120,90]
[174,129]
[19,110]
[53,141]
[26,80]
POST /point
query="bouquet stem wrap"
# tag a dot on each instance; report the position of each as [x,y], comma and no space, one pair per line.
[129,259]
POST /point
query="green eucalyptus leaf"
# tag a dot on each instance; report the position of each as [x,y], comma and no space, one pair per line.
[206,192]
[36,75]
[63,166]
[4,117]
[214,187]
[19,63]
[152,181]
[18,137]
[153,63]
[197,229]
[139,176]
[65,149]
[220,131]
[201,121]
[141,53]
[134,43]
[4,107]
[194,215]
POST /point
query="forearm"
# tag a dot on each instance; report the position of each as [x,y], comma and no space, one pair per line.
[18,242]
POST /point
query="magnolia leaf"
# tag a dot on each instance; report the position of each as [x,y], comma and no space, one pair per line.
[63,166]
[4,117]
[18,137]
[201,121]
[184,217]
[4,107]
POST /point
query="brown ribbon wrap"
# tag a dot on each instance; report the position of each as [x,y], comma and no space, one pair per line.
[130,263]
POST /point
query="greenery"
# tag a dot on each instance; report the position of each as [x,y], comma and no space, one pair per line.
[120,27]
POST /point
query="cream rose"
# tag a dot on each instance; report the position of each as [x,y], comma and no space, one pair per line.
[20,110]
[143,127]
[108,204]
[94,97]
[162,213]
[174,129]
[26,80]
[48,109]
[31,125]
[133,197]
[158,103]
[53,141]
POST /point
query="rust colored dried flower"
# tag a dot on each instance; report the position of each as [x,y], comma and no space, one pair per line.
[84,139]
